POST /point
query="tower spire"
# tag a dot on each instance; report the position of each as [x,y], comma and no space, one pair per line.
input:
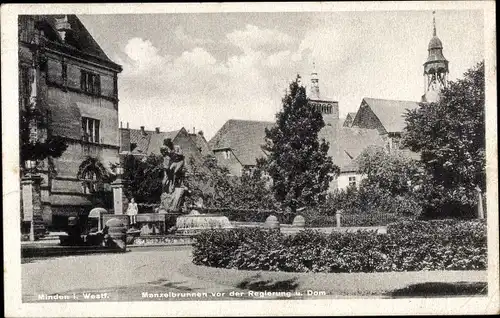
[435,68]
[434,22]
[314,83]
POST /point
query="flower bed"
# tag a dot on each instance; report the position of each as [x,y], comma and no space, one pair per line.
[407,246]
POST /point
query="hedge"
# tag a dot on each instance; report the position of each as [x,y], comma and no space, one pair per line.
[407,246]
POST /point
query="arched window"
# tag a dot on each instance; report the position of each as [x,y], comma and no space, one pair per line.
[89,184]
[92,174]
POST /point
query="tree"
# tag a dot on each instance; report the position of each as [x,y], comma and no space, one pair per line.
[450,135]
[393,182]
[143,178]
[392,172]
[37,150]
[298,162]
[218,189]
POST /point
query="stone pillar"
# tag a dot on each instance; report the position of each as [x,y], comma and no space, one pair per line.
[299,221]
[32,204]
[118,196]
[272,222]
[339,216]
[480,211]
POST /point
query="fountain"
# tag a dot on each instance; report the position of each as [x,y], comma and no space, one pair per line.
[195,222]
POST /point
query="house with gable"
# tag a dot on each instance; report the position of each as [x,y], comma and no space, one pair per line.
[387,117]
[65,74]
[142,143]
[238,144]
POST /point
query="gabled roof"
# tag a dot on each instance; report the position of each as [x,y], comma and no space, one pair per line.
[156,140]
[347,143]
[201,143]
[141,139]
[244,137]
[349,119]
[351,115]
[79,38]
[390,112]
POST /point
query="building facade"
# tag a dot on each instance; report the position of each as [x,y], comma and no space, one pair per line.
[66,76]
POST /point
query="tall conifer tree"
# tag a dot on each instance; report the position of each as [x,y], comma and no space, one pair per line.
[298,162]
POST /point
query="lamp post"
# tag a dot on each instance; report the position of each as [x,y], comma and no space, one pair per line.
[32,202]
[480,211]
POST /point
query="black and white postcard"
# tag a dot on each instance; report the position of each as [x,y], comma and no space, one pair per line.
[250,159]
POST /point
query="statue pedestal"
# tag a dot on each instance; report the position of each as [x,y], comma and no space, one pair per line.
[172,202]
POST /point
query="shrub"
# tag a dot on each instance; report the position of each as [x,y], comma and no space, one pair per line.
[407,246]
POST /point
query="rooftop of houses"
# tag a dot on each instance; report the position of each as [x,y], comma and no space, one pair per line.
[389,112]
[245,138]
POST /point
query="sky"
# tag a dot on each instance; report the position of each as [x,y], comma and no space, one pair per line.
[198,70]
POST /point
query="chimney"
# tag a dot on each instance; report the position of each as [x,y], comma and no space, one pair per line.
[157,129]
[200,133]
[127,124]
[63,27]
[142,130]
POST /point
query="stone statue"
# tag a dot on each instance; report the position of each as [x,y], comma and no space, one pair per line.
[173,164]
[173,189]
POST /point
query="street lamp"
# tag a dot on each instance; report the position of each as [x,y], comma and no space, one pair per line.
[30,166]
[119,171]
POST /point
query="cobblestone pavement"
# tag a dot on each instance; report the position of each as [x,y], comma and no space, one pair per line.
[167,274]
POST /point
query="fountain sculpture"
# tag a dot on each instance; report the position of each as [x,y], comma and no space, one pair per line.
[174,193]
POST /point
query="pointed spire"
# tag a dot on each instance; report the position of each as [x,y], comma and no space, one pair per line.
[434,22]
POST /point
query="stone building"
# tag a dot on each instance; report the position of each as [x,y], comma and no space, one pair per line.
[66,75]
[388,116]
[328,107]
[238,144]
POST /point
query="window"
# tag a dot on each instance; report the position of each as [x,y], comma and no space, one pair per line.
[24,86]
[90,82]
[352,181]
[90,129]
[227,154]
[89,184]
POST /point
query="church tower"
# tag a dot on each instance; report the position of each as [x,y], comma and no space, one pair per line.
[435,69]
[328,108]
[314,84]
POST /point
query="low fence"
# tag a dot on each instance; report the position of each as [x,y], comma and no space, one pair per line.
[251,217]
[355,220]
[257,216]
